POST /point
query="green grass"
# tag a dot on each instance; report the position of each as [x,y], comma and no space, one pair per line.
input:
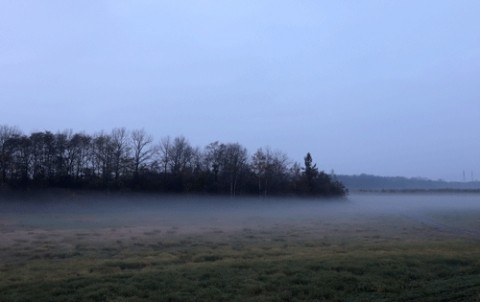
[379,261]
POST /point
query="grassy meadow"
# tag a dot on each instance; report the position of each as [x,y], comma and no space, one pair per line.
[238,252]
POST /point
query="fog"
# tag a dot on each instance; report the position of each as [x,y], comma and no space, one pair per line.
[196,214]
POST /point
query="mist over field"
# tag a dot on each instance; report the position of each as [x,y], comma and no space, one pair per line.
[61,245]
[203,213]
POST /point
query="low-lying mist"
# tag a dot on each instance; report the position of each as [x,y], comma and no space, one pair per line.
[194,213]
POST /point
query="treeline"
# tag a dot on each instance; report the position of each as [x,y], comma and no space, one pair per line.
[132,160]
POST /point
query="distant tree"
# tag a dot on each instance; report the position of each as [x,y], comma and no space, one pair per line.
[6,133]
[337,188]
[49,155]
[72,153]
[311,174]
[113,160]
[295,178]
[214,153]
[142,151]
[270,169]
[259,168]
[79,149]
[60,166]
[164,150]
[181,154]
[121,152]
[180,162]
[317,182]
[102,159]
[234,162]
[194,176]
[21,147]
[39,157]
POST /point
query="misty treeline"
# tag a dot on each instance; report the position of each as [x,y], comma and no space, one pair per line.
[132,160]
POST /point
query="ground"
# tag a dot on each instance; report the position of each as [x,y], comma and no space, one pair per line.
[269,252]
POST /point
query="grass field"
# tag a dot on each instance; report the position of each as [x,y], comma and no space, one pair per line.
[265,254]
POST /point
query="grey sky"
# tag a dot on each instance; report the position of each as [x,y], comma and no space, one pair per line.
[380,87]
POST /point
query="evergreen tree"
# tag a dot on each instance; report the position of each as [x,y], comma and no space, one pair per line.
[311,174]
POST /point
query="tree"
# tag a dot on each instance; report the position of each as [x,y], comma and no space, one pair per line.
[79,149]
[49,155]
[39,160]
[311,173]
[317,182]
[142,152]
[213,158]
[234,161]
[178,158]
[102,154]
[181,154]
[6,133]
[270,169]
[123,159]
[71,146]
[164,150]
[121,150]
[20,148]
[259,165]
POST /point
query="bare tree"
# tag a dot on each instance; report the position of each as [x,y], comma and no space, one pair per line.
[181,154]
[234,161]
[260,163]
[121,150]
[164,150]
[37,140]
[80,143]
[214,158]
[102,160]
[101,156]
[71,152]
[142,151]
[6,133]
[21,148]
[270,168]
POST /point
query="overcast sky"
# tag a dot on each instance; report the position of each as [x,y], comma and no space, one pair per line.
[378,87]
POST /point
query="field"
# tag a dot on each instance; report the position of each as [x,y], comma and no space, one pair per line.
[147,248]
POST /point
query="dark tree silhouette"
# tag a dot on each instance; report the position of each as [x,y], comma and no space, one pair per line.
[317,182]
[234,162]
[142,151]
[311,174]
[125,160]
[271,170]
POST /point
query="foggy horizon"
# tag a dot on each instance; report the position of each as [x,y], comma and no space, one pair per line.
[382,88]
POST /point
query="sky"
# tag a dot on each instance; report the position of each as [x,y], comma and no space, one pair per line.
[388,88]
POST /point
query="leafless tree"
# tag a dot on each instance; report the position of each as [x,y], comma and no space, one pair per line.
[121,150]
[269,167]
[214,158]
[6,133]
[234,161]
[102,153]
[164,150]
[181,154]
[142,151]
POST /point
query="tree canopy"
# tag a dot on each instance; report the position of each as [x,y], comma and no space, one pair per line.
[132,160]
